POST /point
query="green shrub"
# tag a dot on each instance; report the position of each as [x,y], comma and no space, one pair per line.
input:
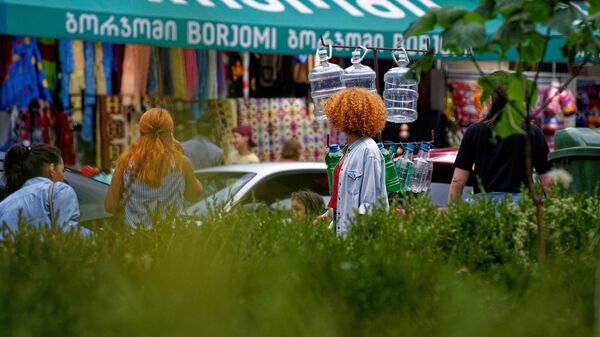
[470,271]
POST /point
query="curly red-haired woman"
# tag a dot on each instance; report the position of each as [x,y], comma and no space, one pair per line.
[153,174]
[359,177]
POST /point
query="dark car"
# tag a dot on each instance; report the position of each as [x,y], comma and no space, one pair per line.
[90,193]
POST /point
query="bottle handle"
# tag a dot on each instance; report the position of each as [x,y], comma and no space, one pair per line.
[402,60]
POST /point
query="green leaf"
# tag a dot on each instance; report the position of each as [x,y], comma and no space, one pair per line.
[594,7]
[490,82]
[533,47]
[562,21]
[423,64]
[449,15]
[507,7]
[537,11]
[486,8]
[424,24]
[508,123]
[464,35]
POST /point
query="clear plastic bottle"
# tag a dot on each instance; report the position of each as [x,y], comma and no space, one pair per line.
[326,80]
[331,159]
[427,181]
[405,167]
[421,168]
[392,184]
[400,93]
[359,75]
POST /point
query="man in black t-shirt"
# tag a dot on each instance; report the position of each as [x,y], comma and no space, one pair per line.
[499,163]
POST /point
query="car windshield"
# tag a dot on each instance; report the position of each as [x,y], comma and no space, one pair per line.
[219,187]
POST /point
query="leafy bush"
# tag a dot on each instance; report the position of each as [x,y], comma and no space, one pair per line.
[470,271]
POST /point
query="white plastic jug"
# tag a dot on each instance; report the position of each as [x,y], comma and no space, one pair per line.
[326,80]
[400,93]
[359,75]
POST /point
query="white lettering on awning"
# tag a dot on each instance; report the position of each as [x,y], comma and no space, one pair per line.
[388,10]
[219,35]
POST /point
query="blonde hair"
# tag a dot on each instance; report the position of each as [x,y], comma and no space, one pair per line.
[153,153]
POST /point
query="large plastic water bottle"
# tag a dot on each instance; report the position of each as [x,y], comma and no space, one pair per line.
[326,79]
[400,92]
[359,75]
[427,181]
[392,184]
[421,168]
[405,167]
[331,160]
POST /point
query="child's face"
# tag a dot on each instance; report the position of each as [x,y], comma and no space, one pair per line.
[298,209]
[239,140]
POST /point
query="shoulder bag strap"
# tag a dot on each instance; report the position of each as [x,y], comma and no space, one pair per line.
[50,201]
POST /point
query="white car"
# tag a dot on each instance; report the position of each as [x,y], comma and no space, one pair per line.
[251,185]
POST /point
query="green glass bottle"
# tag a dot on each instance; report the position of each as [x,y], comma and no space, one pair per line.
[331,159]
[392,183]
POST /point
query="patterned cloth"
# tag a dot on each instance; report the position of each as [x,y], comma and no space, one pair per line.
[465,96]
[274,120]
[115,129]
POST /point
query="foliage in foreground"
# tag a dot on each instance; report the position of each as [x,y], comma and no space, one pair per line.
[468,272]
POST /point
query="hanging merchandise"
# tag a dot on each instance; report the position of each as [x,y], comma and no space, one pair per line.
[211,69]
[103,60]
[300,69]
[221,78]
[5,56]
[135,74]
[49,53]
[234,72]
[326,80]
[77,81]
[177,70]
[246,78]
[152,85]
[191,72]
[25,80]
[400,93]
[89,99]
[465,96]
[588,104]
[115,129]
[359,75]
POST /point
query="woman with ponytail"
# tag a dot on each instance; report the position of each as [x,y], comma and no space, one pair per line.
[153,175]
[38,196]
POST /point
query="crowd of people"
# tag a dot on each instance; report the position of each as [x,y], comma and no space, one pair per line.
[155,175]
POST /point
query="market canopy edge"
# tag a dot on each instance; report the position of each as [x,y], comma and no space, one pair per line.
[266,26]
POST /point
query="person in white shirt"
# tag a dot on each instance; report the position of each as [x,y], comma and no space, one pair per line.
[243,144]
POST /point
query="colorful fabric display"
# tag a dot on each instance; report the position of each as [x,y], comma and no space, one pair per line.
[77,81]
[115,129]
[221,77]
[5,56]
[466,101]
[191,72]
[103,64]
[274,120]
[235,75]
[152,86]
[246,76]
[135,74]
[118,55]
[64,137]
[89,99]
[25,80]
[177,70]
[49,53]
[40,120]
[212,84]
[65,53]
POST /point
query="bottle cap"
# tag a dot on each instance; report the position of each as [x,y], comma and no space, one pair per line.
[380,145]
[334,147]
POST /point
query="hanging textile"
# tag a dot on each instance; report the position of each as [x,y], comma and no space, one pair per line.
[191,72]
[274,120]
[77,81]
[49,53]
[588,105]
[39,117]
[5,56]
[64,137]
[203,74]
[246,76]
[135,74]
[65,49]
[234,75]
[25,80]
[221,77]
[103,64]
[561,105]
[115,129]
[213,87]
[118,55]
[89,99]
[466,102]
[152,87]
[177,70]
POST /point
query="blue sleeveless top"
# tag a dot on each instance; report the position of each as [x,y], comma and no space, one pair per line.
[143,201]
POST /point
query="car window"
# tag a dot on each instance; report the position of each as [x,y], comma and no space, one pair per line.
[219,187]
[281,186]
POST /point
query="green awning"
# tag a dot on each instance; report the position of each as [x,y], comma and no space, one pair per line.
[267,26]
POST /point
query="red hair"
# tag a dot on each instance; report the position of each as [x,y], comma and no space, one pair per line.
[356,111]
[153,153]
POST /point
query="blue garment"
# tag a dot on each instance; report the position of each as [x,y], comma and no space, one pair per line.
[201,94]
[26,79]
[65,48]
[89,101]
[202,152]
[31,201]
[107,59]
[140,198]
[361,184]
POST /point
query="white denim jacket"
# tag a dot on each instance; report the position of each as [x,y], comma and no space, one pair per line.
[361,184]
